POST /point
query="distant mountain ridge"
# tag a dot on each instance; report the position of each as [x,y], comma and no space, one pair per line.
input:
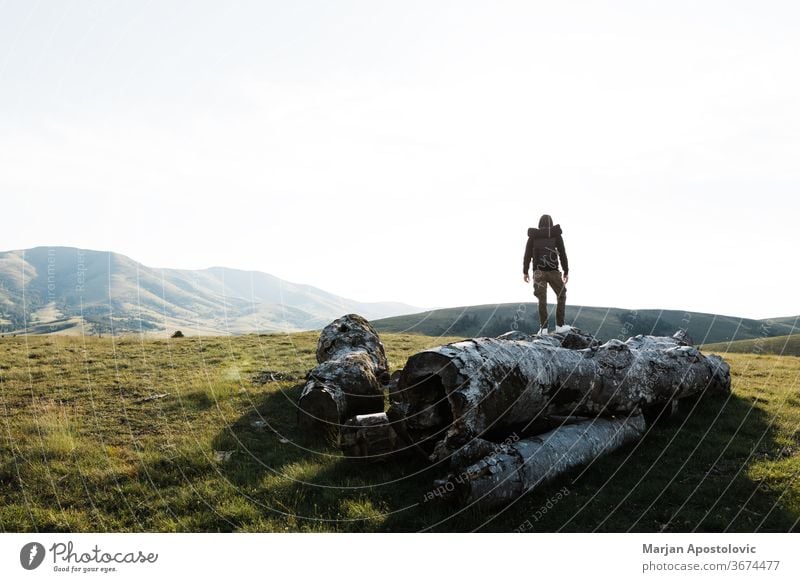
[603,322]
[783,345]
[70,290]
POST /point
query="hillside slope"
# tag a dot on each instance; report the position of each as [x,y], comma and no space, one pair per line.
[785,345]
[69,290]
[603,322]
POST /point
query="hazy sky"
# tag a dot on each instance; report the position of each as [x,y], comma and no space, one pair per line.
[399,150]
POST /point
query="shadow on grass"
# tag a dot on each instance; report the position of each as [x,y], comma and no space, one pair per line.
[688,474]
[308,477]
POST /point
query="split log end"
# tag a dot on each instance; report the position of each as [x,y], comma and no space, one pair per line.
[320,409]
[369,437]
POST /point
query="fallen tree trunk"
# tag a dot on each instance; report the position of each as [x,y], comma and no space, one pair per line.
[488,387]
[512,469]
[349,378]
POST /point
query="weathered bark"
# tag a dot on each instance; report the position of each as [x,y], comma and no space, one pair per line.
[351,333]
[487,387]
[510,470]
[349,378]
[574,339]
[422,418]
[368,436]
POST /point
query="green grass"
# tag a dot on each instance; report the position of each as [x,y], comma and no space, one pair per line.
[89,442]
[787,345]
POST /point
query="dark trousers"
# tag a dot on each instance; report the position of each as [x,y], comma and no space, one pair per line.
[541,279]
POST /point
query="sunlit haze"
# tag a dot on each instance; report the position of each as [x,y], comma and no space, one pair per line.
[398,151]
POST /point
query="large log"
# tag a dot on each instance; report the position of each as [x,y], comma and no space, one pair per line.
[349,378]
[489,387]
[574,338]
[510,470]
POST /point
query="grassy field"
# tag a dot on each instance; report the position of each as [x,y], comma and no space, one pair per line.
[174,435]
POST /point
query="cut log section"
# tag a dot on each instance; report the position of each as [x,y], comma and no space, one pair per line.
[506,473]
[489,387]
[349,378]
[368,436]
[351,333]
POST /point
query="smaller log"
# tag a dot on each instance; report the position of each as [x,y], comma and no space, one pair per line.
[368,436]
[348,334]
[505,474]
[349,378]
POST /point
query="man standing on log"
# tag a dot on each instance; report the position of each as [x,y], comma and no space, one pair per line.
[546,247]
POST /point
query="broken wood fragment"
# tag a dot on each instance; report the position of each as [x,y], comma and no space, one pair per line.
[368,436]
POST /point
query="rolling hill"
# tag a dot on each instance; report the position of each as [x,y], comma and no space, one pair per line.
[66,290]
[784,345]
[793,321]
[603,322]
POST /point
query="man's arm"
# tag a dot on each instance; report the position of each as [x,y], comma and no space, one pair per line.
[562,255]
[526,261]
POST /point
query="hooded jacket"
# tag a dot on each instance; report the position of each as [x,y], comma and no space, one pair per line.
[545,247]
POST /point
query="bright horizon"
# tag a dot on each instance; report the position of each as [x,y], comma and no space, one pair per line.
[399,151]
[551,297]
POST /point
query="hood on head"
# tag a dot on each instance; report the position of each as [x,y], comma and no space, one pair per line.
[545,232]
